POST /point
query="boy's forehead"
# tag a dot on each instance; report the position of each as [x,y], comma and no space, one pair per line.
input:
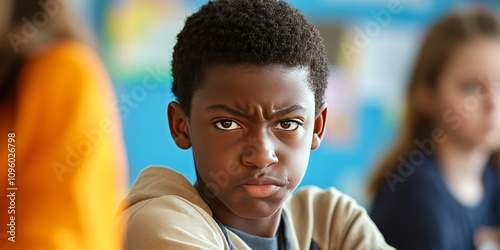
[273,86]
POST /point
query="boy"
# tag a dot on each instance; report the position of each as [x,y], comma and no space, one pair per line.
[249,78]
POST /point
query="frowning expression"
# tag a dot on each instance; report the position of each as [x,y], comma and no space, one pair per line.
[252,129]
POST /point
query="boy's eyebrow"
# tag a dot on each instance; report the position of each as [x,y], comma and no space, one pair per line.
[275,114]
[287,110]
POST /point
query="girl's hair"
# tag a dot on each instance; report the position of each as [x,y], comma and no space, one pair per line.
[27,26]
[439,44]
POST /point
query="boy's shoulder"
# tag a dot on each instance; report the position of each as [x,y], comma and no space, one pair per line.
[161,205]
[157,186]
[332,219]
[164,210]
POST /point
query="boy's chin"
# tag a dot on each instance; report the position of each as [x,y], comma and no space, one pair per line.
[256,209]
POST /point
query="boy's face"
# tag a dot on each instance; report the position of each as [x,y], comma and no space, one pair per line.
[252,129]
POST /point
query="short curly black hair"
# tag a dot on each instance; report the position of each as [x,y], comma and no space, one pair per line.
[257,32]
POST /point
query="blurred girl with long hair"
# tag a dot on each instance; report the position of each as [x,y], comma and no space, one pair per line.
[439,186]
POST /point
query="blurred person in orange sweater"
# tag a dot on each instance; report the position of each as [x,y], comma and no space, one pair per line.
[62,161]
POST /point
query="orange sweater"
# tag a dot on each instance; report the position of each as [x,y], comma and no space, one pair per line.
[69,157]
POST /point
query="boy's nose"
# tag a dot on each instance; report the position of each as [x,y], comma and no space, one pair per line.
[259,151]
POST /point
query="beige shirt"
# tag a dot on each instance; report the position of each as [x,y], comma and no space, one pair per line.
[164,211]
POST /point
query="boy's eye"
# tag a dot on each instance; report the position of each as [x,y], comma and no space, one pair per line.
[227,125]
[287,125]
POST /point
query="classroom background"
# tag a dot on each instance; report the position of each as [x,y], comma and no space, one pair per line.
[371,45]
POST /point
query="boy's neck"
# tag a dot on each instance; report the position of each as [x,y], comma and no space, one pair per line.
[263,227]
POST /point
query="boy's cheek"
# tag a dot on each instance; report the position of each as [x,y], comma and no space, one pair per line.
[217,172]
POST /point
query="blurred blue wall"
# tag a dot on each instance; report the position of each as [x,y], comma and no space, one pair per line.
[365,92]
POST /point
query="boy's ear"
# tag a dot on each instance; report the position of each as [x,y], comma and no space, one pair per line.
[319,127]
[179,125]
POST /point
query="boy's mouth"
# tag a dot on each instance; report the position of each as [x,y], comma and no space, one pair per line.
[261,191]
[262,187]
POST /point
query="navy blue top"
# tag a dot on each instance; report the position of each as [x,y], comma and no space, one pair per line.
[421,213]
